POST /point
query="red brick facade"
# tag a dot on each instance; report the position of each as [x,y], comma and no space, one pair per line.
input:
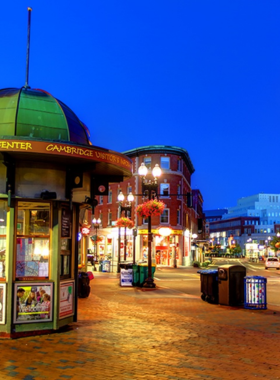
[173,186]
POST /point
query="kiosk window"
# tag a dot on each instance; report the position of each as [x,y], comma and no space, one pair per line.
[3,229]
[66,241]
[33,240]
[65,258]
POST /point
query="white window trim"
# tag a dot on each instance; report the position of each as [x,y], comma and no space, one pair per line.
[164,196]
[162,165]
[110,191]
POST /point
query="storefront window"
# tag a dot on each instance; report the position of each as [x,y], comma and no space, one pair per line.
[33,240]
[3,228]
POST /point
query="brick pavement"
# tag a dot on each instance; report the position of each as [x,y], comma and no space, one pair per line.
[128,333]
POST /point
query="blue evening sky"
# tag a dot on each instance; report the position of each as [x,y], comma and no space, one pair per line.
[202,75]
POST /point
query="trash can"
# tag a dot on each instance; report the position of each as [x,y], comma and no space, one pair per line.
[126,274]
[209,285]
[100,266]
[106,264]
[255,292]
[136,275]
[143,272]
[231,284]
[83,285]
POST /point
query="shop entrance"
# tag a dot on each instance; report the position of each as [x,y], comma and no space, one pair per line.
[162,255]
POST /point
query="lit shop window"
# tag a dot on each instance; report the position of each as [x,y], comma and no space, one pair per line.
[3,228]
[33,240]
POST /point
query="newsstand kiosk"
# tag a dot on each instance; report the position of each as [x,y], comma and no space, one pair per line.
[50,174]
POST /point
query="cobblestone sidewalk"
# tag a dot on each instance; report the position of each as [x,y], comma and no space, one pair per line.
[128,333]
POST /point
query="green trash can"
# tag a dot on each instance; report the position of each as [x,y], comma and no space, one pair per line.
[136,275]
[143,272]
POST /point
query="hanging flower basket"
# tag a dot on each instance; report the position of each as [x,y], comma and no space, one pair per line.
[124,222]
[150,208]
[96,238]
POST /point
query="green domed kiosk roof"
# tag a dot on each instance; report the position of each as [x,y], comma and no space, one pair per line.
[36,114]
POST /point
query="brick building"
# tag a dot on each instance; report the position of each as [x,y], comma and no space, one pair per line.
[174,189]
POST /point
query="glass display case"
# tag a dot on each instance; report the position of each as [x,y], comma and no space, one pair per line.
[33,240]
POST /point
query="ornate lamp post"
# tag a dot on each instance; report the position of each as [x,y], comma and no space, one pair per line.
[149,190]
[96,223]
[125,207]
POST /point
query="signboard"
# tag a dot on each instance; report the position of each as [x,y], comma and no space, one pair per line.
[65,223]
[2,303]
[33,302]
[67,150]
[126,277]
[66,299]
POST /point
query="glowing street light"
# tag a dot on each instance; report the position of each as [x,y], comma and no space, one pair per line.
[149,189]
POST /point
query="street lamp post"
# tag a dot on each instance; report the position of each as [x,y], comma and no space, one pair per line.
[96,223]
[134,238]
[149,190]
[125,207]
[269,238]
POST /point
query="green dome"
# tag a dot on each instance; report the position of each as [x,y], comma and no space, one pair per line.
[35,114]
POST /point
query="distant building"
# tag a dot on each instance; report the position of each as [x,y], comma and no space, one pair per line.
[214,215]
[255,220]
[265,206]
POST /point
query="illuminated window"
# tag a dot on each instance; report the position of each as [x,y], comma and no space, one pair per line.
[33,240]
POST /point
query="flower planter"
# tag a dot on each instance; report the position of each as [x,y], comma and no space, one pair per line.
[150,208]
[124,222]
